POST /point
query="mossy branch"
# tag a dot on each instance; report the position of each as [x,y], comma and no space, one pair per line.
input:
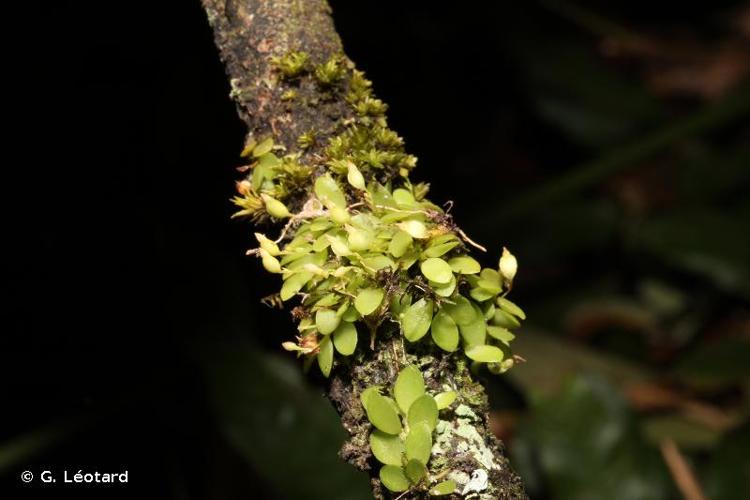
[361,246]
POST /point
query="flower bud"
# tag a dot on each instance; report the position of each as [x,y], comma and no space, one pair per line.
[508,265]
[274,207]
[267,245]
[270,262]
[355,178]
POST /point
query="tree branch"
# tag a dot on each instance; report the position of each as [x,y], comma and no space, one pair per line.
[249,34]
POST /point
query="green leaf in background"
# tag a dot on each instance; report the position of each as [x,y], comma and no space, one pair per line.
[326,320]
[418,443]
[437,270]
[425,410]
[256,397]
[705,242]
[387,448]
[444,331]
[393,478]
[715,363]
[409,386]
[728,472]
[345,338]
[368,300]
[382,415]
[416,320]
[586,445]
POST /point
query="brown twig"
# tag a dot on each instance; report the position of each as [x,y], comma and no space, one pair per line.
[681,472]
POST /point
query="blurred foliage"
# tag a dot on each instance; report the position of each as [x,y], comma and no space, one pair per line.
[286,431]
[584,443]
[642,283]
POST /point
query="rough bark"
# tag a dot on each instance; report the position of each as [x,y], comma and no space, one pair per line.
[248,33]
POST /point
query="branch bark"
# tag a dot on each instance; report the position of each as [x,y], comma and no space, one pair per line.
[248,34]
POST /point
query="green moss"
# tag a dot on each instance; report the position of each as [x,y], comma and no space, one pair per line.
[292,64]
[331,71]
[289,95]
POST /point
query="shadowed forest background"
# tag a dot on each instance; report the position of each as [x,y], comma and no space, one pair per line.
[608,146]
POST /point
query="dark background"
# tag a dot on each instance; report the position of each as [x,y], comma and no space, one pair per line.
[608,148]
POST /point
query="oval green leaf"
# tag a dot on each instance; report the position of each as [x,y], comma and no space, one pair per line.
[425,410]
[263,147]
[485,353]
[325,356]
[444,331]
[393,478]
[500,333]
[326,320]
[445,399]
[418,443]
[438,250]
[415,471]
[294,284]
[504,319]
[382,414]
[345,338]
[464,265]
[461,310]
[328,192]
[443,488]
[509,307]
[409,386]
[399,244]
[474,333]
[445,290]
[416,320]
[482,294]
[364,396]
[387,448]
[437,270]
[368,300]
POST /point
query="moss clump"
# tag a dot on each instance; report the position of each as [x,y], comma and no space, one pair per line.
[292,64]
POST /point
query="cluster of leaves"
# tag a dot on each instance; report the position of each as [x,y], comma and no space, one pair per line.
[395,262]
[402,437]
[367,248]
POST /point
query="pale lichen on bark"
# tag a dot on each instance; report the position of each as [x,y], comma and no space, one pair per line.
[248,34]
